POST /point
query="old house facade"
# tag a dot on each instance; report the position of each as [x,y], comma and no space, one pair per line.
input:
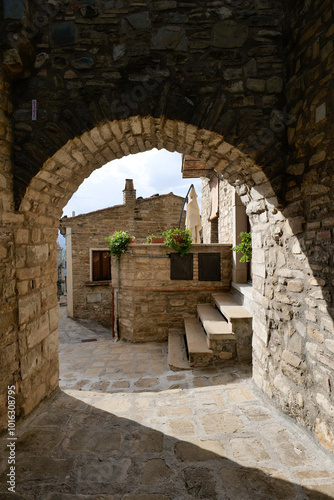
[224,215]
[89,271]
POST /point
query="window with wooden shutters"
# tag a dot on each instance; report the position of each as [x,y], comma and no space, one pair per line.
[101,265]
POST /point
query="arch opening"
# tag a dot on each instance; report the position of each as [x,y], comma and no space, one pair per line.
[237,86]
[52,187]
[273,234]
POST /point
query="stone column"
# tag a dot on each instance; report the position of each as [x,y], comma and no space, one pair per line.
[37,310]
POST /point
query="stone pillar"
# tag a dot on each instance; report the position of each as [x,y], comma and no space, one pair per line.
[37,309]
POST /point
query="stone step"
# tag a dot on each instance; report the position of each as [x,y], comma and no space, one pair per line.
[177,353]
[199,353]
[230,309]
[214,324]
[240,321]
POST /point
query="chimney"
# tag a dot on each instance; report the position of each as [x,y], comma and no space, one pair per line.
[129,193]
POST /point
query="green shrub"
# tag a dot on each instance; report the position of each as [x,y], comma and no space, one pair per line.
[118,242]
[151,236]
[245,247]
[178,240]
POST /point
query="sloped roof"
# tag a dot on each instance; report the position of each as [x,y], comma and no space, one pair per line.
[155,197]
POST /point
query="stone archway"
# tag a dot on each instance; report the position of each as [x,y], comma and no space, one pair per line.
[176,73]
[73,67]
[52,187]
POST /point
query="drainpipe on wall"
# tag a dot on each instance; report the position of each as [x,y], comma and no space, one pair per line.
[116,293]
[69,272]
[113,311]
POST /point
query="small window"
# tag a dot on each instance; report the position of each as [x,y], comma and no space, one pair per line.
[101,265]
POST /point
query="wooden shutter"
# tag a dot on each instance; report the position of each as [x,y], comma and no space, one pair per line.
[101,265]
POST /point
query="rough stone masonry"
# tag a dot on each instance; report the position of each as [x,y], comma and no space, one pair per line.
[246,87]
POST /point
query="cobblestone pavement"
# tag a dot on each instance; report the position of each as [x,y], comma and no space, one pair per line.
[125,427]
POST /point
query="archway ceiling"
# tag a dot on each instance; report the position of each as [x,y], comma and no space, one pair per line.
[216,67]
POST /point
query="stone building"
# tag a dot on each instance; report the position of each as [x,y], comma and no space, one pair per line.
[224,216]
[89,269]
[245,87]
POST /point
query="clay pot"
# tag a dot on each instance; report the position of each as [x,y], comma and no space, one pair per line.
[157,240]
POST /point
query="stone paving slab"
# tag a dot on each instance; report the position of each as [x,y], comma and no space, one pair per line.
[127,435]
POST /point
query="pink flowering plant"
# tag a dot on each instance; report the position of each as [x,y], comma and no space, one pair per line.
[118,242]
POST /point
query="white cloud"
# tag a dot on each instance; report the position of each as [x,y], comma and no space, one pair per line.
[152,172]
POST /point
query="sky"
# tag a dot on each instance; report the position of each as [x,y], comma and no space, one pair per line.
[155,171]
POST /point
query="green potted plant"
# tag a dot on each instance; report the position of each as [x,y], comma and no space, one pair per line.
[118,242]
[245,247]
[178,240]
[153,238]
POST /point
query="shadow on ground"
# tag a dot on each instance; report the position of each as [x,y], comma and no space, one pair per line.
[68,449]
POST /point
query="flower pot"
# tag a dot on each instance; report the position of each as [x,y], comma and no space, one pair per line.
[157,240]
[177,238]
[132,241]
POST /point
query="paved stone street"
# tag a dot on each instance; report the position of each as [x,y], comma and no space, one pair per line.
[125,427]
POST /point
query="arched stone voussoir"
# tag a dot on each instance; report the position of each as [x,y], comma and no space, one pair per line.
[62,174]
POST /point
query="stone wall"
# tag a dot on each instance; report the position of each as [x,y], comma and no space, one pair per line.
[86,299]
[141,217]
[9,336]
[151,304]
[214,92]
[225,224]
[9,346]
[40,210]
[205,210]
[294,343]
[28,300]
[225,219]
[215,66]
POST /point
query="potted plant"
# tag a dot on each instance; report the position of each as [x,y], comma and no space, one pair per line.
[179,240]
[155,239]
[118,242]
[245,247]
